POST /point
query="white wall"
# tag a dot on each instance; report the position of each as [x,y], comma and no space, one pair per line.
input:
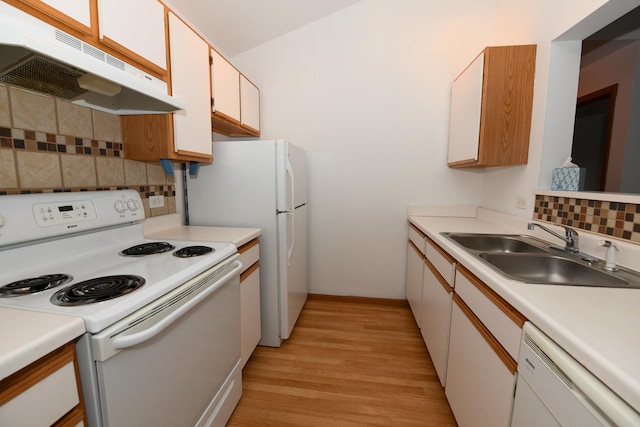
[366,92]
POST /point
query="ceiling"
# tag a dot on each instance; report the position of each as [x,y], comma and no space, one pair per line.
[235,26]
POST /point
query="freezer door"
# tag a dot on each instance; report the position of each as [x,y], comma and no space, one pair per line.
[291,176]
[292,258]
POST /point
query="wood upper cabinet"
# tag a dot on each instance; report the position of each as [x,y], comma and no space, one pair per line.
[186,134]
[235,100]
[120,27]
[491,104]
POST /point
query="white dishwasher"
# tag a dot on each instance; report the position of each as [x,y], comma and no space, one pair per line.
[553,389]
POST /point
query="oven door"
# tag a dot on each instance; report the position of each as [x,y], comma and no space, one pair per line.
[164,364]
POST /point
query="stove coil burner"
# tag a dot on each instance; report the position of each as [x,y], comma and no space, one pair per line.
[148,249]
[97,290]
[34,285]
[192,251]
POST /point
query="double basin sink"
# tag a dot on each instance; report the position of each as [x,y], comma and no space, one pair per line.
[531,260]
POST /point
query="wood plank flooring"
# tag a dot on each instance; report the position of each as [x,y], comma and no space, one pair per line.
[349,362]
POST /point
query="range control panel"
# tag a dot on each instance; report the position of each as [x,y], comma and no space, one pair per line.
[28,217]
[48,214]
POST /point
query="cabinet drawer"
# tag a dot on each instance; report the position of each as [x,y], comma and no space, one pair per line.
[50,381]
[479,384]
[249,254]
[499,317]
[418,238]
[442,261]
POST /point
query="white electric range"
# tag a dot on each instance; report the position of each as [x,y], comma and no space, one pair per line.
[162,317]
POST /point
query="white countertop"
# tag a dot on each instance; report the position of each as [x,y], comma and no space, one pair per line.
[599,327]
[170,227]
[28,336]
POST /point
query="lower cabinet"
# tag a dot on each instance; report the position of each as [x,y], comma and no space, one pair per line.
[436,318]
[52,382]
[414,280]
[250,326]
[479,385]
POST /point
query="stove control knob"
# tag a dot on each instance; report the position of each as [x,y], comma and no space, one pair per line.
[132,205]
[3,221]
[120,206]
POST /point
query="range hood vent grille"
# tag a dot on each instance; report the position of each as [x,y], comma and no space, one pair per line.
[44,75]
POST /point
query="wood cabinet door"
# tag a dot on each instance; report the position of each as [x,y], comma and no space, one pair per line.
[190,82]
[249,104]
[225,87]
[143,40]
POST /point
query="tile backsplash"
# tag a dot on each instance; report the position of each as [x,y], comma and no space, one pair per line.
[48,144]
[609,218]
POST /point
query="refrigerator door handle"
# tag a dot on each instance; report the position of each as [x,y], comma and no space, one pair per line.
[293,237]
[292,194]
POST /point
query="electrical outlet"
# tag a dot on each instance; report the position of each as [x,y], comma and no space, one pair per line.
[521,203]
[156,201]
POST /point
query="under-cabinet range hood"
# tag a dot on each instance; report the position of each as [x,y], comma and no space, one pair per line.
[39,57]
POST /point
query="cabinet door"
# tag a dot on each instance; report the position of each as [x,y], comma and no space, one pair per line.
[466,106]
[436,318]
[75,13]
[249,104]
[479,385]
[120,28]
[190,81]
[225,87]
[414,281]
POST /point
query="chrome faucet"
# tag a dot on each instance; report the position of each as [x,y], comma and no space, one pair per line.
[571,236]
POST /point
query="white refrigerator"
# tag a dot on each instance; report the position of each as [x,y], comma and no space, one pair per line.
[261,184]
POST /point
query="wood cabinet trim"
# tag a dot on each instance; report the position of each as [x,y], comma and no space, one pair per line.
[415,248]
[248,245]
[59,20]
[502,354]
[436,273]
[19,382]
[442,252]
[417,230]
[496,299]
[248,271]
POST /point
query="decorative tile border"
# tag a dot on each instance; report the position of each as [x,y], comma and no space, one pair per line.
[615,219]
[28,140]
[145,191]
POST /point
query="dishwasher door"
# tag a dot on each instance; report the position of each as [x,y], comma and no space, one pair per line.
[555,390]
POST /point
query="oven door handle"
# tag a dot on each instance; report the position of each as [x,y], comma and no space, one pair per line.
[124,341]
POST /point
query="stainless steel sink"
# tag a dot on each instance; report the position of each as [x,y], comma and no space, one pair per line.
[531,260]
[498,242]
[551,269]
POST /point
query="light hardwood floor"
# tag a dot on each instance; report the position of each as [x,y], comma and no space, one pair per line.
[349,362]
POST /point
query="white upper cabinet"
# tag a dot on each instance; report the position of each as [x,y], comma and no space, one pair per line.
[249,104]
[225,87]
[121,28]
[75,13]
[190,82]
[466,105]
